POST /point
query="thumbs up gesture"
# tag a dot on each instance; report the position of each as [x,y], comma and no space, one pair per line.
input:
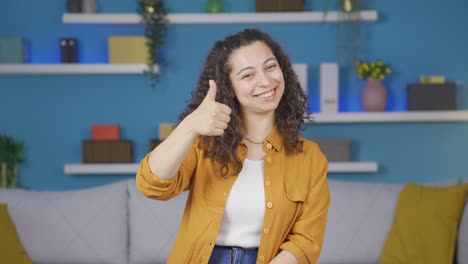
[211,118]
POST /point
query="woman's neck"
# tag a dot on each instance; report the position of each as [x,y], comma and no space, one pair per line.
[257,127]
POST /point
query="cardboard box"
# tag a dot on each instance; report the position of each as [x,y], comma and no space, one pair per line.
[431,96]
[279,5]
[13,50]
[107,151]
[128,49]
[105,132]
[335,149]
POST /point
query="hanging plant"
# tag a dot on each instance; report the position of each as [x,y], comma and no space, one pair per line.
[348,27]
[154,17]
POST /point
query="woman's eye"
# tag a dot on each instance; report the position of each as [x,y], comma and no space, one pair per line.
[271,66]
[246,76]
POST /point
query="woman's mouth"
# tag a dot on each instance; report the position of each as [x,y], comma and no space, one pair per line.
[267,95]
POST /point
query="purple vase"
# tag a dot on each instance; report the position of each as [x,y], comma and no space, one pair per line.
[374,95]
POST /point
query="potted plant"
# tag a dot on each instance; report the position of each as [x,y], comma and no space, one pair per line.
[154,17]
[374,94]
[11,155]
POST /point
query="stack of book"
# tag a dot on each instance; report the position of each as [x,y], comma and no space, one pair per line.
[106,146]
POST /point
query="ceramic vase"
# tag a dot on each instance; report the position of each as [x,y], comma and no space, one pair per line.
[214,6]
[374,95]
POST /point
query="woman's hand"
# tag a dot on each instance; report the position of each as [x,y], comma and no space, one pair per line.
[284,257]
[210,118]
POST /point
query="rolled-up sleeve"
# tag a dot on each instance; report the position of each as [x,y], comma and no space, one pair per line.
[154,187]
[305,238]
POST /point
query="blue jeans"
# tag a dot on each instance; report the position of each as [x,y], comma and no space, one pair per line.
[233,255]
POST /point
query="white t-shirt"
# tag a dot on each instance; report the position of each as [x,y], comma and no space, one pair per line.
[245,208]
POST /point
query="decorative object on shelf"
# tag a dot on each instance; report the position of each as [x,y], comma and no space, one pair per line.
[89,6]
[348,31]
[105,132]
[300,69]
[329,87]
[154,16]
[13,50]
[106,146]
[438,96]
[432,79]
[11,156]
[214,6]
[154,143]
[279,5]
[348,35]
[165,129]
[374,94]
[74,6]
[107,151]
[335,149]
[127,49]
[68,50]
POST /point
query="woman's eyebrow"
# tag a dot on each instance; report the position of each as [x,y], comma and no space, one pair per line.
[250,67]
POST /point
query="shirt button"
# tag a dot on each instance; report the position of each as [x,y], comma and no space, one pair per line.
[261,258]
[268,160]
[266,230]
[269,204]
[269,145]
[225,194]
[267,183]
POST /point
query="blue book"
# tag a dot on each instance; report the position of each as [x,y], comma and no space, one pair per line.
[12,50]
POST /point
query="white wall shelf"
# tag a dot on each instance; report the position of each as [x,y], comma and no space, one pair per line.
[226,18]
[382,117]
[73,68]
[105,168]
[132,168]
[352,167]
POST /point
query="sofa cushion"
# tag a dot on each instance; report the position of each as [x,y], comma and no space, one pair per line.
[153,226]
[10,244]
[359,218]
[425,225]
[462,247]
[78,226]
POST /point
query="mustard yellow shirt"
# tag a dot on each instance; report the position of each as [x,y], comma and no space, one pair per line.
[296,201]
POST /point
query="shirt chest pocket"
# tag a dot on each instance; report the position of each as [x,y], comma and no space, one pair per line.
[295,189]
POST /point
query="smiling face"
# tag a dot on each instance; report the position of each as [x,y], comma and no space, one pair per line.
[257,78]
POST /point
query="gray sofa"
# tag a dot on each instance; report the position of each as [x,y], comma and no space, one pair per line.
[115,224]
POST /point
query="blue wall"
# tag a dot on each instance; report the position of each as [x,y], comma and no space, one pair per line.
[54,113]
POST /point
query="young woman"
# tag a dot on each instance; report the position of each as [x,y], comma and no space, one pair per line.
[258,191]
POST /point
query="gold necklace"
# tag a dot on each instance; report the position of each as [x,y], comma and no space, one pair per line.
[251,141]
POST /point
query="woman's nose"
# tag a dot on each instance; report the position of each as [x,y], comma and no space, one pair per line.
[263,79]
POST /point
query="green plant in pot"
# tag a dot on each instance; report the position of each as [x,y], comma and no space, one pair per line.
[11,155]
[154,18]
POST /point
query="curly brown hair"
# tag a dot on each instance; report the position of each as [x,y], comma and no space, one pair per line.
[289,116]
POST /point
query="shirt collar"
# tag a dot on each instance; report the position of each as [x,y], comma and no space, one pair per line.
[275,139]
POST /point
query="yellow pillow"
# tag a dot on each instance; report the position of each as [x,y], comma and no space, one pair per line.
[425,226]
[10,245]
